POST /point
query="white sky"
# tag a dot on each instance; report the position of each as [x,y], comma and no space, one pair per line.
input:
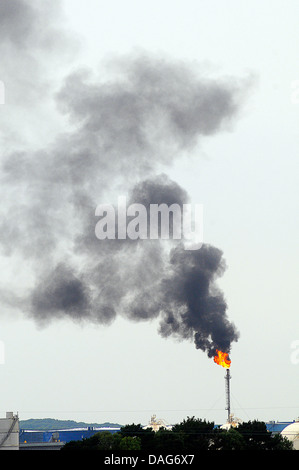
[247,180]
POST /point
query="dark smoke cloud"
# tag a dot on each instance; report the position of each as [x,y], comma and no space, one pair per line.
[143,281]
[194,306]
[61,292]
[150,113]
[128,124]
[153,110]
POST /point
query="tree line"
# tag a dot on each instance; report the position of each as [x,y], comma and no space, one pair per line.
[189,436]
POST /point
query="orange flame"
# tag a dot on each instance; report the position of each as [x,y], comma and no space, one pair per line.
[222,359]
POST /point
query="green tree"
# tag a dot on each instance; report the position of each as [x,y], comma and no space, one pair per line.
[196,433]
[129,443]
[168,441]
[281,443]
[227,440]
[103,440]
[146,436]
[257,437]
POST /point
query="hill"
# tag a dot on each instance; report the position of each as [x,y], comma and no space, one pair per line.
[50,424]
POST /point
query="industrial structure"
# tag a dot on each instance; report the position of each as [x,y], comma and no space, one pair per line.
[156,424]
[9,432]
[227,390]
[56,438]
[291,432]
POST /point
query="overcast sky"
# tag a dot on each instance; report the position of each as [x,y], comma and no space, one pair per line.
[100,97]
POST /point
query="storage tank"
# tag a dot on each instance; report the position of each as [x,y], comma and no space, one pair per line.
[291,432]
[9,432]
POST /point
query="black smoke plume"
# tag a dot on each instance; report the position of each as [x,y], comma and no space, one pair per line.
[127,127]
[194,307]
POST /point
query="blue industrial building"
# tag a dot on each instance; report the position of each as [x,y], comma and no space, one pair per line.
[277,426]
[63,435]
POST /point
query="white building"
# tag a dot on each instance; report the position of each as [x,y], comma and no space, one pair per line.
[9,432]
[291,432]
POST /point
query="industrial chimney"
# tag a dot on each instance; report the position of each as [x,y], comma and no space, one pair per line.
[227,392]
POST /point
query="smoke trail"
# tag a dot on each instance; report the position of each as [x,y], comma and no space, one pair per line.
[126,126]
